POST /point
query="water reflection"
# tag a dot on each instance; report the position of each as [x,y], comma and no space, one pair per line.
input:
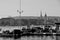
[32,38]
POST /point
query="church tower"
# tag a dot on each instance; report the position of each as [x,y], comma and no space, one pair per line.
[45,15]
[45,18]
[41,15]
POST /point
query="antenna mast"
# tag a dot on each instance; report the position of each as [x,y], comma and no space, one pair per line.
[20,4]
[20,11]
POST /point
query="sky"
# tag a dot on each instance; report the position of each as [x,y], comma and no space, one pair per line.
[30,7]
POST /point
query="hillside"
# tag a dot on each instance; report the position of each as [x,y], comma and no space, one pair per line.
[28,20]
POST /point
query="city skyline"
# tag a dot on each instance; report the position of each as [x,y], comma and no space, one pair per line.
[29,7]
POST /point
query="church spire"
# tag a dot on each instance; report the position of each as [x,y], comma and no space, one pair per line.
[41,14]
[45,14]
[45,18]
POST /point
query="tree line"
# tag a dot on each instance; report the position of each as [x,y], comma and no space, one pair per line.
[23,22]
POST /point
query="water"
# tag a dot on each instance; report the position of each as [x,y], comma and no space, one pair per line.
[32,38]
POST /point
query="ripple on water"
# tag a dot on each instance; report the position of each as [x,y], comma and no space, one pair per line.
[31,38]
[37,38]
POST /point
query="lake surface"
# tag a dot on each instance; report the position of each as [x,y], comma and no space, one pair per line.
[32,38]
